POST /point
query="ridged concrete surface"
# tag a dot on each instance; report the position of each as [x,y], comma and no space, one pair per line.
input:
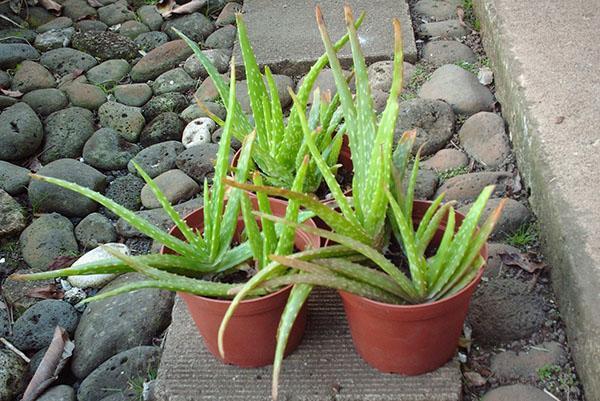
[324,367]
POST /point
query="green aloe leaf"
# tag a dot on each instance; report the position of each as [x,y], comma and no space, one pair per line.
[253,232]
[296,300]
[443,251]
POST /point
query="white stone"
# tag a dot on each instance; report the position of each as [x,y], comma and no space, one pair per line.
[485,76]
[95,255]
[198,131]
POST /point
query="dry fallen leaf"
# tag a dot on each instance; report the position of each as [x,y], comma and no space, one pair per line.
[54,360]
[50,291]
[475,379]
[51,6]
[10,93]
[61,261]
[165,7]
[525,262]
[187,8]
[460,12]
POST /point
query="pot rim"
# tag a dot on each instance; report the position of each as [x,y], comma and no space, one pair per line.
[251,301]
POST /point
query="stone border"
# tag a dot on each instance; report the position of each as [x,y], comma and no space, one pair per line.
[562,200]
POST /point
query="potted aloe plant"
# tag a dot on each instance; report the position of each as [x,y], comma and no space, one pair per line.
[280,146]
[207,250]
[407,288]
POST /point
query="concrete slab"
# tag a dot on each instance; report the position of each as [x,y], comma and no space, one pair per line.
[546,59]
[324,367]
[285,36]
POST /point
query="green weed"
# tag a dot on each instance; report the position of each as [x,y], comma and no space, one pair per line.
[465,65]
[525,236]
[137,384]
[453,172]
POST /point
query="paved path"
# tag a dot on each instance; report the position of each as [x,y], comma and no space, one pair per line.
[546,56]
[284,33]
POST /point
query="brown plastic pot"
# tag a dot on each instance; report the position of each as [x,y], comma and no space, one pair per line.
[409,339]
[250,338]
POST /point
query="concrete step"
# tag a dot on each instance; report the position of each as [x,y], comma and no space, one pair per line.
[324,367]
[546,59]
[285,36]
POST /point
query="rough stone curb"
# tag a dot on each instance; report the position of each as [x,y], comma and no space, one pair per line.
[548,88]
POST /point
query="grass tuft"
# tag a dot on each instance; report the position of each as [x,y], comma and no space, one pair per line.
[525,236]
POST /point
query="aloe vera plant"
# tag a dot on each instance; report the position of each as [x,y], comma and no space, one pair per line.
[280,145]
[211,251]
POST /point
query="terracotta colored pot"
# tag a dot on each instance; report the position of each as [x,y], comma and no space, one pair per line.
[409,339]
[250,339]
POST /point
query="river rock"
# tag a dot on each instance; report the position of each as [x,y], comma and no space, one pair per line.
[483,137]
[35,328]
[176,80]
[66,132]
[440,52]
[4,79]
[494,266]
[381,74]
[517,392]
[132,29]
[433,120]
[61,392]
[175,185]
[54,39]
[47,238]
[126,192]
[13,179]
[78,9]
[150,16]
[149,41]
[198,132]
[158,158]
[21,130]
[127,120]
[12,218]
[222,38]
[46,101]
[437,9]
[108,150]
[194,112]
[109,72]
[12,374]
[466,187]
[514,215]
[198,161]
[449,29]
[12,54]
[31,76]
[65,60]
[115,324]
[158,217]
[105,45]
[459,88]
[207,91]
[117,373]
[55,23]
[159,60]
[115,13]
[133,94]
[227,14]
[95,229]
[95,255]
[91,25]
[195,26]
[87,96]
[165,127]
[446,159]
[172,101]
[504,310]
[51,198]
[510,365]
[218,57]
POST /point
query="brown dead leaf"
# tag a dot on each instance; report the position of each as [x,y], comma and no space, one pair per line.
[61,261]
[10,93]
[53,362]
[186,8]
[475,379]
[165,7]
[460,12]
[49,291]
[51,6]
[524,261]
